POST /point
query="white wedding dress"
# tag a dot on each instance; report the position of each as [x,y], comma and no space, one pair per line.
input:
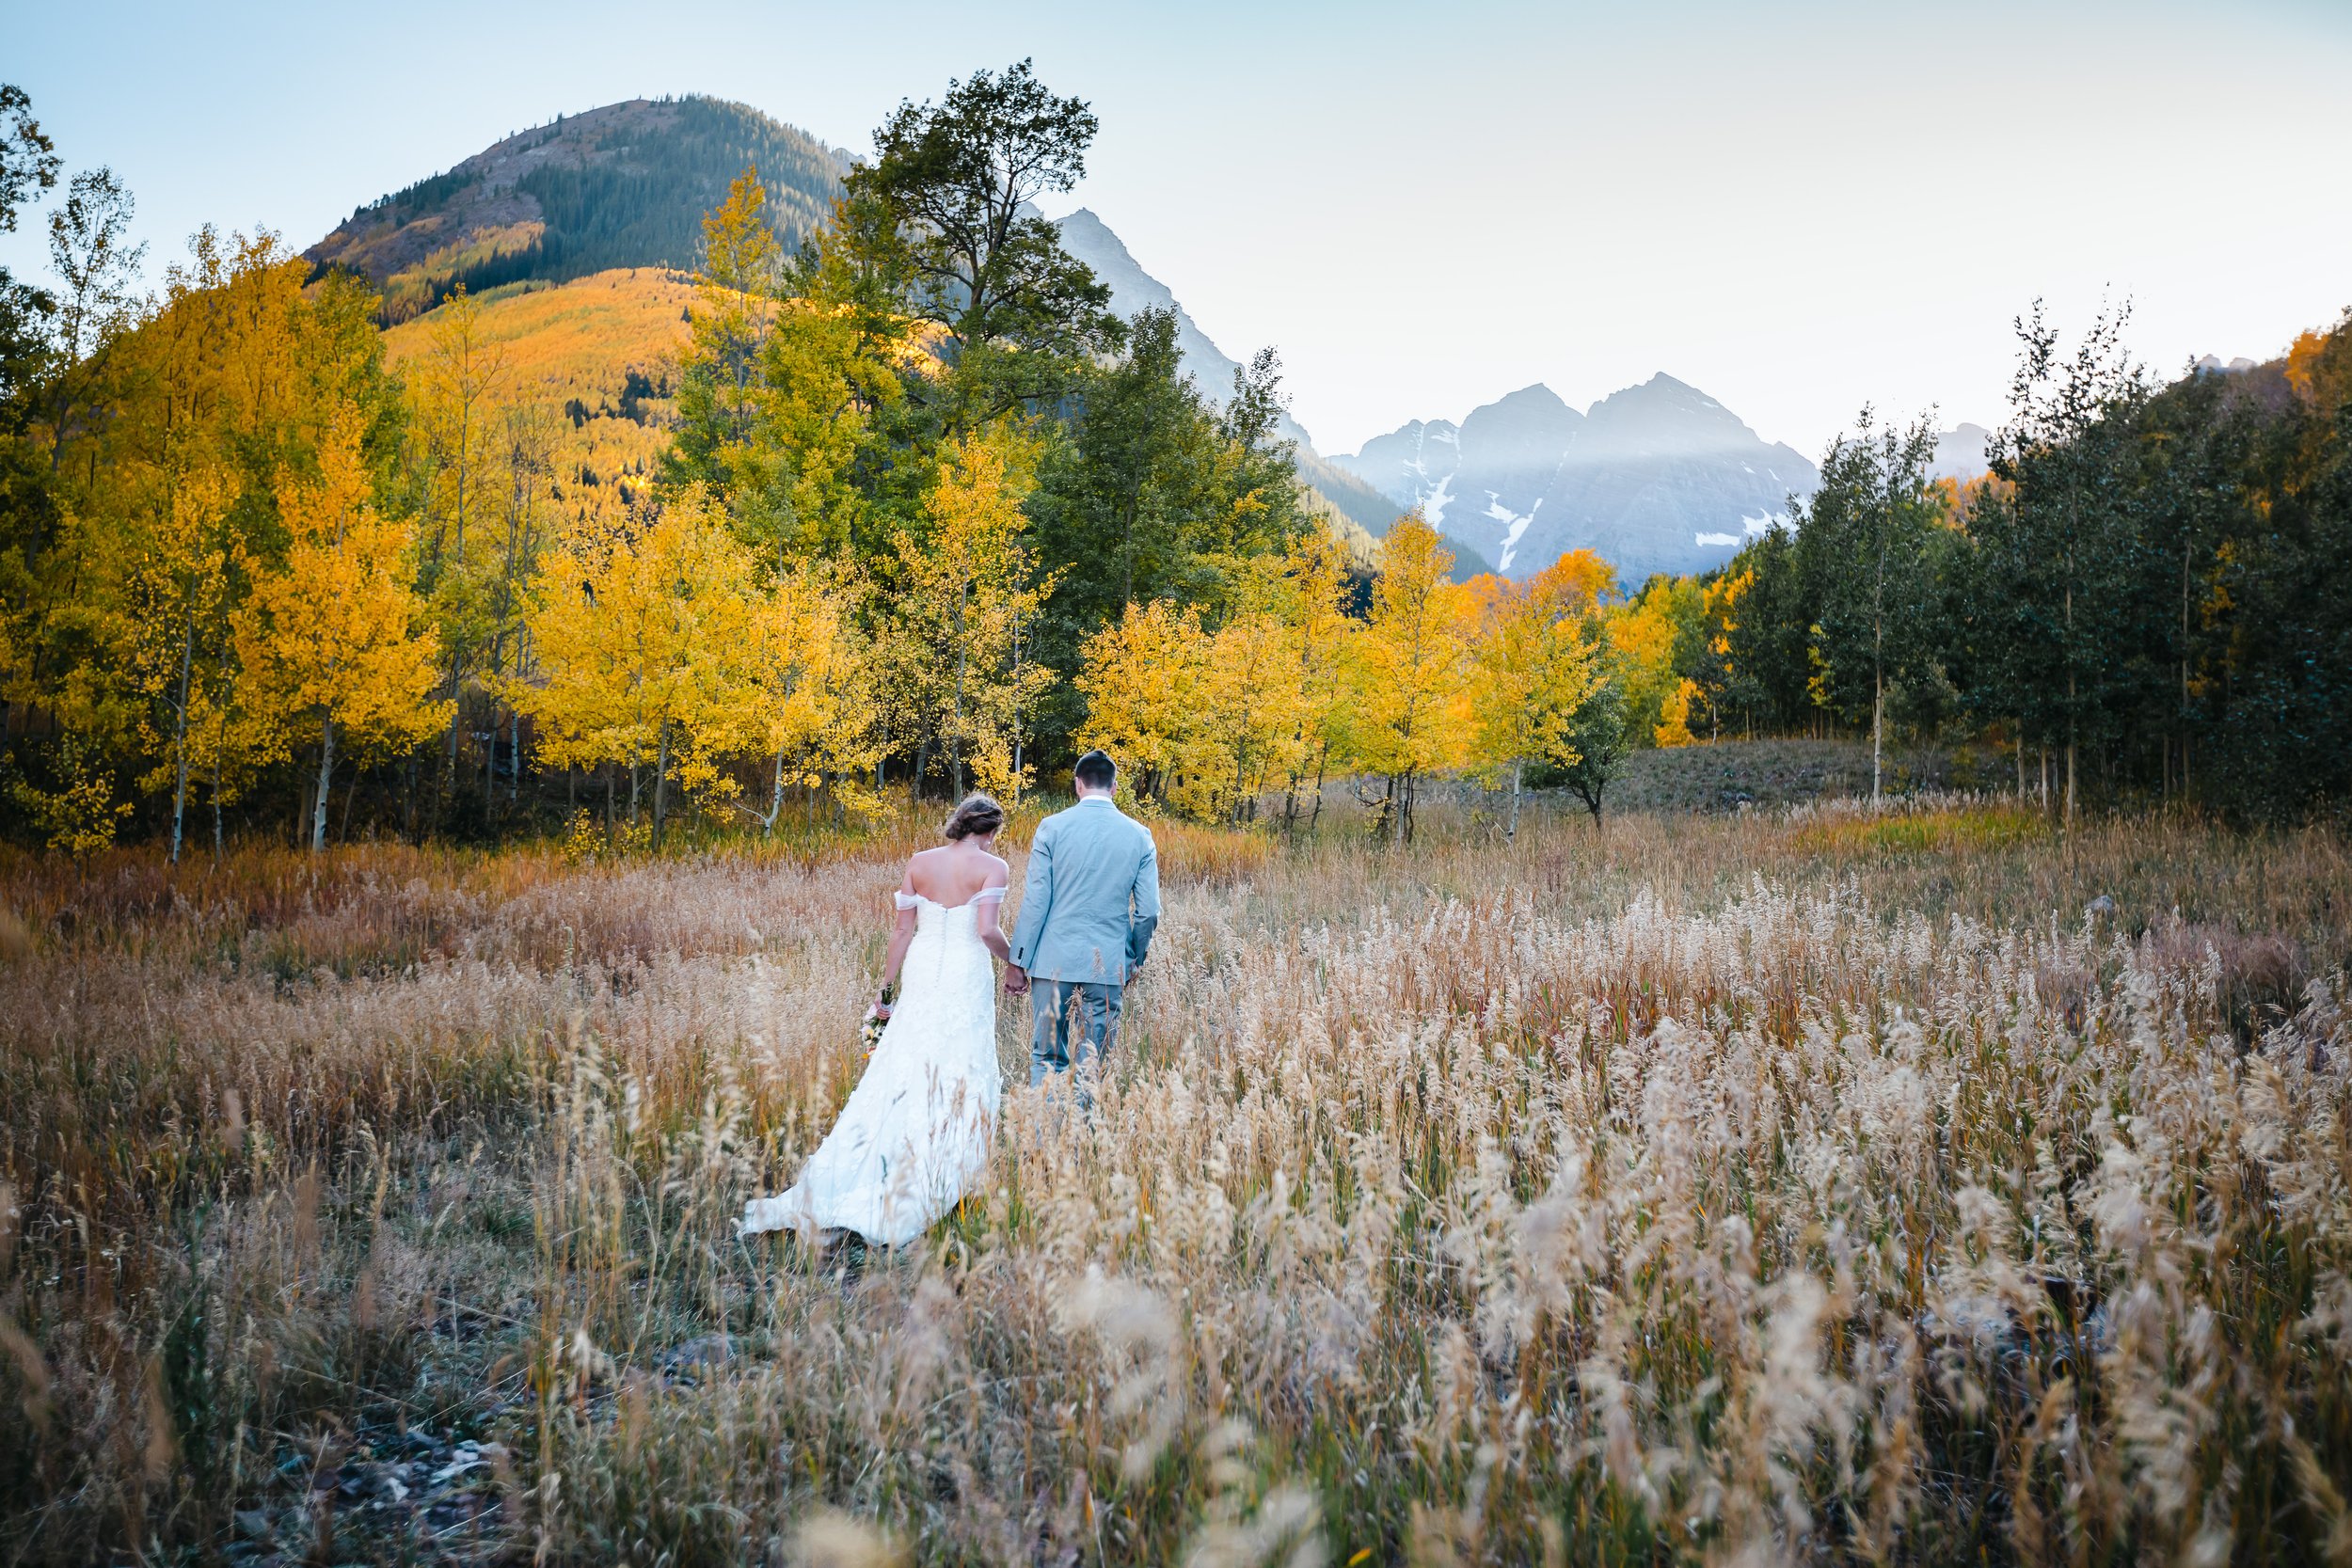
[916,1134]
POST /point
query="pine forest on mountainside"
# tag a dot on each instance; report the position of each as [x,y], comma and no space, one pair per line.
[621,187]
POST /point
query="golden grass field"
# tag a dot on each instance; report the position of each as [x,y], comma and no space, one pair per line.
[1799,1185]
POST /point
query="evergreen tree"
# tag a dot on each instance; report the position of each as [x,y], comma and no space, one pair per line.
[1869,528]
[944,218]
[2056,550]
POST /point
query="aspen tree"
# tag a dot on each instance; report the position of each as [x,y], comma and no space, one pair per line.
[957,669]
[1142,677]
[1533,668]
[1322,638]
[180,576]
[806,699]
[337,635]
[641,640]
[1642,637]
[457,387]
[1251,714]
[1413,663]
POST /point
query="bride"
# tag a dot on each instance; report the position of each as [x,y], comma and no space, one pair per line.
[916,1133]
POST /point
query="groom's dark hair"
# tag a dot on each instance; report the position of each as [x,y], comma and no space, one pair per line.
[1096,770]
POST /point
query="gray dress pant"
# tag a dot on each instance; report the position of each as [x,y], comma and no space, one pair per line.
[1072,1022]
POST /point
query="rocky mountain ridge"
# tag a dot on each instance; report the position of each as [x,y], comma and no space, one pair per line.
[623,185]
[1085,235]
[1656,478]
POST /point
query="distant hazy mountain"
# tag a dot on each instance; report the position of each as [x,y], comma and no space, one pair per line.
[1092,240]
[1960,453]
[1657,478]
[625,185]
[1132,289]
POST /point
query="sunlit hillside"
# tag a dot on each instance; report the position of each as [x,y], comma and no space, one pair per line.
[598,355]
[572,349]
[622,186]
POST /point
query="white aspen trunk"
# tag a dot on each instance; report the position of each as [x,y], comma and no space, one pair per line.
[661,782]
[180,743]
[220,744]
[776,798]
[326,776]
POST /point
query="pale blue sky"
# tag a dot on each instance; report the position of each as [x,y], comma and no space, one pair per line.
[1796,208]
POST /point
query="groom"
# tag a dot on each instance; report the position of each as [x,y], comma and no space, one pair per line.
[1087,911]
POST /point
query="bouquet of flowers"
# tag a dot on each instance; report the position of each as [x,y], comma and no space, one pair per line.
[869,1033]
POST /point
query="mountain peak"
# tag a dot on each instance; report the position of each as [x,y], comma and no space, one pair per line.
[1533,395]
[1086,236]
[1663,415]
[1655,477]
[1521,433]
[621,185]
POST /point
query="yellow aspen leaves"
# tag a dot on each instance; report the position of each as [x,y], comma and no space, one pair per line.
[956,670]
[1202,722]
[807,698]
[335,636]
[1641,636]
[1673,714]
[1413,668]
[640,635]
[660,645]
[1142,678]
[1534,669]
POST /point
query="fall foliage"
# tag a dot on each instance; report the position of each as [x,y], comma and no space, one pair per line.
[334,638]
[896,505]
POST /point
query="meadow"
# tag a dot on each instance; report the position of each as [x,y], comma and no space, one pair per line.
[1795,1183]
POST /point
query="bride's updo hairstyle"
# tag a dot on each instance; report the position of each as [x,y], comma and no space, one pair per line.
[977,817]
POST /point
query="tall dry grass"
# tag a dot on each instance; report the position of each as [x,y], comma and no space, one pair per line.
[1833,1186]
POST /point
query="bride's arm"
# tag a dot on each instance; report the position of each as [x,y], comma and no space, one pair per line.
[991,922]
[902,937]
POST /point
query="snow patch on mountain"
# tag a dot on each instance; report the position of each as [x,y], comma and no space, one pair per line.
[1514,525]
[1433,505]
[1654,478]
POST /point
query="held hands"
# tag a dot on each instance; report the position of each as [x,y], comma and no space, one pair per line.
[1017,980]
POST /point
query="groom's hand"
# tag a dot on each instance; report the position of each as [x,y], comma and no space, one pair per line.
[1017,980]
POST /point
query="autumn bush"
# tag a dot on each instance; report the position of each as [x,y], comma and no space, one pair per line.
[1828,1186]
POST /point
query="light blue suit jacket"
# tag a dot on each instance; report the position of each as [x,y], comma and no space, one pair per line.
[1093,897]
